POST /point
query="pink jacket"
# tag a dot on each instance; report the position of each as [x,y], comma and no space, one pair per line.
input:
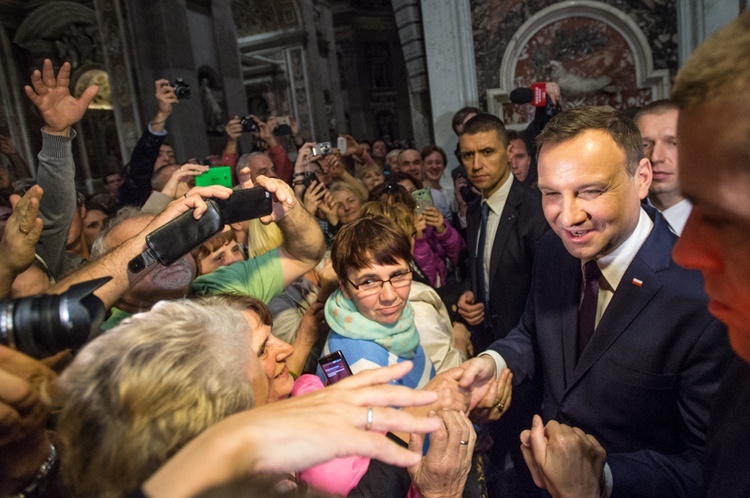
[431,250]
[338,476]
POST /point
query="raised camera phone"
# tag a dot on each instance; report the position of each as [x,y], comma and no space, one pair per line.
[423,198]
[178,237]
[334,367]
[216,175]
[321,149]
[309,178]
[341,145]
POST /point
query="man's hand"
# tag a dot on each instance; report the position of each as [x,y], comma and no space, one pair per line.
[165,97]
[233,129]
[59,109]
[18,245]
[23,417]
[313,196]
[284,199]
[444,469]
[7,147]
[496,401]
[478,375]
[470,311]
[564,460]
[179,183]
[553,92]
[265,130]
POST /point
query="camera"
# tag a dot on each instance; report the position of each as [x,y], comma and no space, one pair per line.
[321,149]
[181,89]
[43,325]
[249,124]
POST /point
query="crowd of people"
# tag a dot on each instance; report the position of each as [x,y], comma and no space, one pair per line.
[565,309]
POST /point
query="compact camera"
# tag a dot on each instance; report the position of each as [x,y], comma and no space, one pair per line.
[321,149]
[181,89]
[249,124]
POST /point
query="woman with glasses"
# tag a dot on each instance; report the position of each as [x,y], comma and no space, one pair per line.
[370,317]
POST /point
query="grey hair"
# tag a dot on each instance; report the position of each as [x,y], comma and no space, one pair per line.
[99,248]
[137,394]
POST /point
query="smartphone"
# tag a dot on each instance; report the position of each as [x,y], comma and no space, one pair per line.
[245,204]
[308,179]
[334,367]
[423,198]
[341,145]
[217,175]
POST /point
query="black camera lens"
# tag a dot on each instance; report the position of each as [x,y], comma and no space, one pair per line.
[181,89]
[43,325]
[249,124]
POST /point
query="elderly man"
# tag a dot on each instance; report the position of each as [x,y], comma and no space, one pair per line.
[262,277]
[626,348]
[657,122]
[251,166]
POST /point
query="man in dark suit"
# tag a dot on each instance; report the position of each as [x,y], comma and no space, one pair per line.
[501,254]
[499,269]
[626,348]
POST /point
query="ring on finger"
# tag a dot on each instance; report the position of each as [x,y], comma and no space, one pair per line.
[463,443]
[25,232]
[369,419]
[500,406]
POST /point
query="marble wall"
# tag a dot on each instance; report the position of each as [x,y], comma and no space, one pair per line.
[582,46]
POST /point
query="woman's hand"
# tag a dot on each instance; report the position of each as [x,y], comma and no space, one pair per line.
[434,218]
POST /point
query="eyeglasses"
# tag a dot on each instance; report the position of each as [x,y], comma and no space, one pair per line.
[373,286]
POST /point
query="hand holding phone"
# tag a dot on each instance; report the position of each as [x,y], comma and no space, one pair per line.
[423,198]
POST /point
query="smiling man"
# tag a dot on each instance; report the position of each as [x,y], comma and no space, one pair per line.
[627,351]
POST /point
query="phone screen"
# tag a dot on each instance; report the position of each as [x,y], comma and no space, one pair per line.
[334,367]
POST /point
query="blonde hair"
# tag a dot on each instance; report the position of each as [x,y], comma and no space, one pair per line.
[397,212]
[262,238]
[718,68]
[135,395]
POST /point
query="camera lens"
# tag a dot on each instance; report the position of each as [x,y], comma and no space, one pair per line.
[44,325]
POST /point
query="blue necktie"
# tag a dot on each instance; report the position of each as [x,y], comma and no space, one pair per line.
[587,310]
[481,284]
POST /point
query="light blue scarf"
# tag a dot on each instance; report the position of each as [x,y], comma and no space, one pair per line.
[399,338]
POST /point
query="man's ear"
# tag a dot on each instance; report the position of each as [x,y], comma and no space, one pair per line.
[643,176]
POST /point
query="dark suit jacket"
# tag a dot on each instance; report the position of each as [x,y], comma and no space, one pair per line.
[521,226]
[646,381]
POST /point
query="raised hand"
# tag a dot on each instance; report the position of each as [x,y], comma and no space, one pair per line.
[51,95]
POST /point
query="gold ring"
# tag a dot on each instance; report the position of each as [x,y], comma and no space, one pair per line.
[25,232]
[500,406]
[463,443]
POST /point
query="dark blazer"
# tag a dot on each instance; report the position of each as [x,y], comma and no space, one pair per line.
[521,226]
[645,383]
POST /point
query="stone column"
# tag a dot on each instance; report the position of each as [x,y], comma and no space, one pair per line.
[449,44]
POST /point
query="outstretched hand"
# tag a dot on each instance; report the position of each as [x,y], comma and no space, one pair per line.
[51,95]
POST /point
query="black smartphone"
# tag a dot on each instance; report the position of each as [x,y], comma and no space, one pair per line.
[334,367]
[184,233]
[245,204]
[308,179]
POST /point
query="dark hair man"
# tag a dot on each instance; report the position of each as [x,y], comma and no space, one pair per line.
[626,349]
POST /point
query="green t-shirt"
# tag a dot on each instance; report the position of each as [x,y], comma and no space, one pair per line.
[114,319]
[261,277]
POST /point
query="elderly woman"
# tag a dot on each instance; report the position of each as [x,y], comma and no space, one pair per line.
[370,317]
[134,396]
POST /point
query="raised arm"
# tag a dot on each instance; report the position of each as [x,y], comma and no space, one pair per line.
[56,174]
[304,243]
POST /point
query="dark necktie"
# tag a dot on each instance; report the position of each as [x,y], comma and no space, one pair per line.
[587,310]
[481,297]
